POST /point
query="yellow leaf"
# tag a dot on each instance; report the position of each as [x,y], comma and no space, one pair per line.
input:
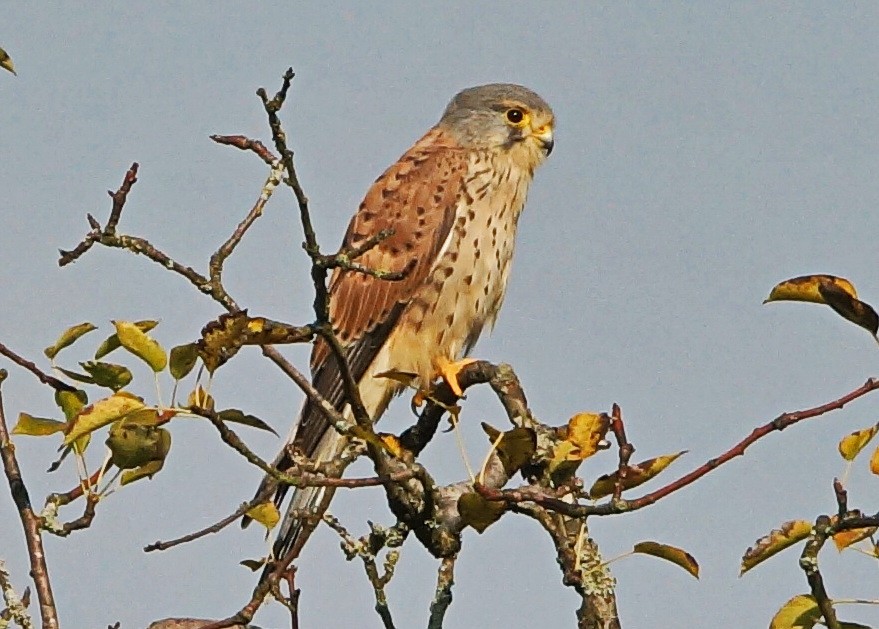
[141,345]
[478,512]
[563,463]
[851,445]
[778,539]
[808,288]
[135,445]
[844,539]
[148,416]
[858,312]
[670,553]
[874,462]
[221,339]
[262,331]
[635,475]
[102,413]
[266,513]
[6,61]
[579,439]
[800,612]
[68,338]
[182,360]
[112,343]
[199,398]
[71,402]
[836,292]
[516,446]
[587,431]
[37,426]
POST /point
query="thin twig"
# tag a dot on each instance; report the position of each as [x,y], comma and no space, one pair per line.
[227,248]
[109,238]
[346,256]
[119,198]
[29,521]
[626,449]
[214,528]
[841,498]
[612,507]
[318,271]
[246,144]
[306,480]
[82,522]
[16,606]
[43,377]
[293,597]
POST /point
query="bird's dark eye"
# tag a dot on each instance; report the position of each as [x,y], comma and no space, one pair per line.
[515,115]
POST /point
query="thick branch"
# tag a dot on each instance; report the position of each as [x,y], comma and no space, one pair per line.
[809,564]
[442,598]
[29,521]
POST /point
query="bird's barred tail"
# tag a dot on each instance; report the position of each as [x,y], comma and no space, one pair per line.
[304,502]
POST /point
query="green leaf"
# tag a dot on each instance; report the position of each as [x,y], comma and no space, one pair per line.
[146,417]
[514,447]
[183,359]
[253,564]
[800,612]
[108,375]
[144,471]
[37,426]
[675,555]
[112,342]
[478,512]
[141,345]
[71,402]
[102,413]
[135,445]
[77,377]
[234,416]
[68,338]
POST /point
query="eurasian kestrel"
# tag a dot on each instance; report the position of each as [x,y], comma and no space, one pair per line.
[452,201]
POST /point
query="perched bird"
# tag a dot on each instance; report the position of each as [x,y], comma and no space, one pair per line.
[453,201]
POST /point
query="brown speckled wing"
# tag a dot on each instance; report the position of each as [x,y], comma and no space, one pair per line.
[416,197]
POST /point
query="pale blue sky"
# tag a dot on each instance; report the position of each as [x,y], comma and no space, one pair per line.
[703,154]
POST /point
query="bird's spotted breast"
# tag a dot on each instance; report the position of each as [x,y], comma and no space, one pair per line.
[464,290]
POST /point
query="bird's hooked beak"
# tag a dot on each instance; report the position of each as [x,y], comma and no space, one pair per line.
[544,136]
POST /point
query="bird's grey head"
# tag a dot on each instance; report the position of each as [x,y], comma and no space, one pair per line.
[500,116]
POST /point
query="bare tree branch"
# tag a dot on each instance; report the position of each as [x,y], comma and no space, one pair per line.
[45,378]
[29,521]
[442,598]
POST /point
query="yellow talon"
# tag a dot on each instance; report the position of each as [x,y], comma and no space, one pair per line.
[418,400]
[448,370]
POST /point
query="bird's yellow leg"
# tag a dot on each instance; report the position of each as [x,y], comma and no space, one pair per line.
[448,370]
